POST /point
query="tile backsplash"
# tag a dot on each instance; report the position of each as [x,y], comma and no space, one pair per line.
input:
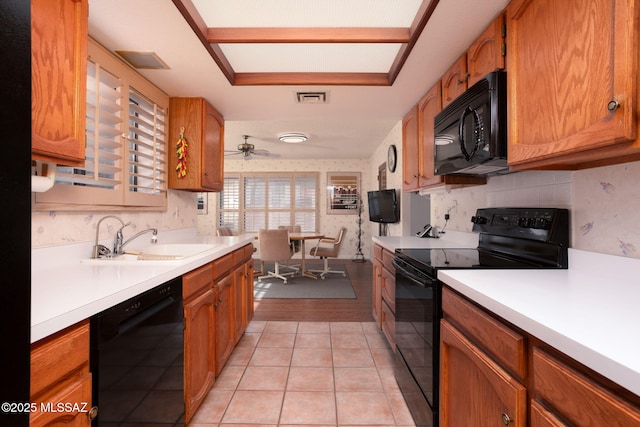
[57,227]
[603,203]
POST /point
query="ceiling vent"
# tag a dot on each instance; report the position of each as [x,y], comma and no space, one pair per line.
[312,97]
[143,60]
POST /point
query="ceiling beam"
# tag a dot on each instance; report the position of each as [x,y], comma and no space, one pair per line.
[309,35]
[211,38]
[329,79]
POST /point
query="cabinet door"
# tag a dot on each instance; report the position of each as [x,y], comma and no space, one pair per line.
[377,292]
[428,107]
[577,398]
[199,350]
[59,39]
[475,390]
[410,154]
[388,322]
[76,394]
[454,81]
[240,293]
[212,150]
[569,62]
[225,318]
[249,273]
[202,127]
[486,53]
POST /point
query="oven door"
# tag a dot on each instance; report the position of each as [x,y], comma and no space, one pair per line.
[418,316]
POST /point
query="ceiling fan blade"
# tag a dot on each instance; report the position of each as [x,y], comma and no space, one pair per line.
[232,153]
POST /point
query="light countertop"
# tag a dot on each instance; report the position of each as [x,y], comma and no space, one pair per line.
[64,290]
[590,311]
[451,239]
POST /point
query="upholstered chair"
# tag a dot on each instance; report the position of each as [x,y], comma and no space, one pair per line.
[326,248]
[275,247]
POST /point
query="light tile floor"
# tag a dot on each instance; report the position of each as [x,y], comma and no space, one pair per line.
[307,373]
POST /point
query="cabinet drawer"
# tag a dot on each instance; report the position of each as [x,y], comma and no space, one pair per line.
[575,397]
[389,324]
[502,343]
[240,255]
[389,288]
[195,280]
[222,265]
[377,252]
[387,260]
[59,356]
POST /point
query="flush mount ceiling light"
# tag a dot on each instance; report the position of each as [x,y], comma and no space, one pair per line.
[293,138]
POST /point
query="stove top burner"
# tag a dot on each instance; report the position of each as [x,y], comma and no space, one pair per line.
[438,259]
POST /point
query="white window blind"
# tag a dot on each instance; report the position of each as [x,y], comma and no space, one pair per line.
[147,157]
[250,202]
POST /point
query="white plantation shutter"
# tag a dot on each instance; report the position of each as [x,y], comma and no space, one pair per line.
[146,147]
[229,204]
[253,201]
[306,202]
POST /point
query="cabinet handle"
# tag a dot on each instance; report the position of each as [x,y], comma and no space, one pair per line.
[92,413]
[206,174]
[506,420]
[613,105]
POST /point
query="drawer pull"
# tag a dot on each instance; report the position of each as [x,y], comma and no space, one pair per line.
[506,420]
[92,413]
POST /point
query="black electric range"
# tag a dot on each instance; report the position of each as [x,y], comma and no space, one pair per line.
[512,238]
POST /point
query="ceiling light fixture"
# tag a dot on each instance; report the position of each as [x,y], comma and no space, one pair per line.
[293,138]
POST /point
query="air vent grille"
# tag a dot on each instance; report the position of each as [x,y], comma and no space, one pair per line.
[312,97]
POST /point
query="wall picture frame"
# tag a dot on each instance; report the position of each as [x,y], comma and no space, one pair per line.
[343,193]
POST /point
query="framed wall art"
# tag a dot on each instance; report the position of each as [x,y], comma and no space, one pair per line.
[343,193]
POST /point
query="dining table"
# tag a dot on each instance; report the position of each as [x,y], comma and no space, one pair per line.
[302,237]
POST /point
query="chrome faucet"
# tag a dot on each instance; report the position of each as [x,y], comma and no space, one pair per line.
[101,251]
[119,244]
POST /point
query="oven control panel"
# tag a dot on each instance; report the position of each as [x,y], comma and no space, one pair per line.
[544,224]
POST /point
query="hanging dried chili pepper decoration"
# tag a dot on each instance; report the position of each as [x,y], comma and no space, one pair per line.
[181,151]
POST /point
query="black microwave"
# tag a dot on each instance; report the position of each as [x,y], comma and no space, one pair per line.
[471,132]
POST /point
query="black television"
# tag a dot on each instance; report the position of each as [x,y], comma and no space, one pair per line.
[383,206]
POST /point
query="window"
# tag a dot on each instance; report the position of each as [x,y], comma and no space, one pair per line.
[253,201]
[125,157]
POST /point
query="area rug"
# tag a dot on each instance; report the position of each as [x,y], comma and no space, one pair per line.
[334,286]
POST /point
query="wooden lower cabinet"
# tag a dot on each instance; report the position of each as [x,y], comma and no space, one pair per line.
[560,392]
[60,374]
[494,374]
[384,293]
[199,337]
[215,319]
[225,321]
[475,390]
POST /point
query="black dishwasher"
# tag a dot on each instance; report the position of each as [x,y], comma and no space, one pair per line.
[137,359]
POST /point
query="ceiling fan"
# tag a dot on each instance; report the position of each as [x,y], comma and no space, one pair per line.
[248,150]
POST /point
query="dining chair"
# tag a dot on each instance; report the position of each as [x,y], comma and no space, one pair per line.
[224,231]
[275,247]
[326,248]
[295,245]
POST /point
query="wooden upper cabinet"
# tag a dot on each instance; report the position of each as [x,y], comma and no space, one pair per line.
[203,128]
[571,82]
[410,151]
[428,107]
[59,39]
[454,81]
[487,53]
